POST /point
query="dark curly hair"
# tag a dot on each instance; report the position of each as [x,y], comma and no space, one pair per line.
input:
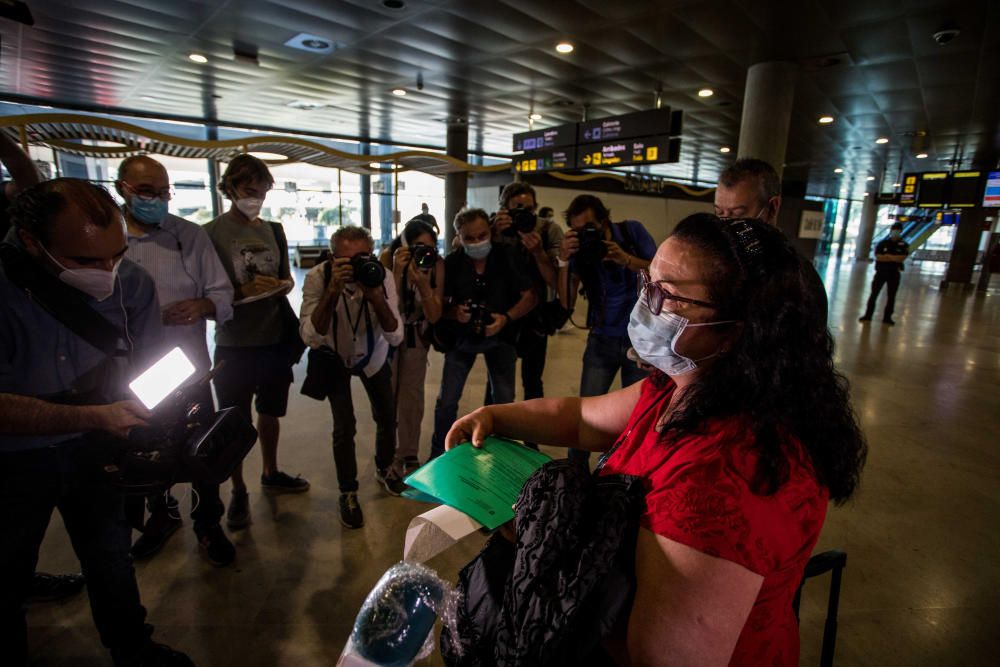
[35,210]
[779,371]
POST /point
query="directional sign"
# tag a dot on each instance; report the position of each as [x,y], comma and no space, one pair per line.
[647,150]
[933,189]
[550,137]
[908,195]
[628,126]
[554,160]
[991,197]
[965,187]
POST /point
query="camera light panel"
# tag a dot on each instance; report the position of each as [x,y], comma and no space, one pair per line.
[162,378]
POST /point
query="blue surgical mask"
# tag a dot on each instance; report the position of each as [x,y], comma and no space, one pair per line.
[148,211]
[478,250]
[655,337]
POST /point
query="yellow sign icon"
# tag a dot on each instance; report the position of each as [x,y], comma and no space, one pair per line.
[652,152]
[596,158]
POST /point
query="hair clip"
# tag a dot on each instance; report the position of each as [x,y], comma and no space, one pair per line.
[748,245]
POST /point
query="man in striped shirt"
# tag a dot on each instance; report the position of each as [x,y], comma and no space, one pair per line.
[192,286]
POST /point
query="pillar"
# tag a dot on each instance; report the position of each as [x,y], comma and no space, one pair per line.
[866,231]
[456,184]
[767,112]
[366,194]
[966,247]
[212,134]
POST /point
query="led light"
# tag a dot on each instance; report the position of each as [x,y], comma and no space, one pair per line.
[838,170]
[564,48]
[725,149]
[535,116]
[198,58]
[825,120]
[895,185]
[882,140]
[921,156]
[261,155]
[706,92]
[399,92]
[166,375]
[378,165]
[870,178]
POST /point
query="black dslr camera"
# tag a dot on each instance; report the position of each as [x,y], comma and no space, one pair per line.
[521,220]
[480,318]
[424,256]
[368,270]
[592,248]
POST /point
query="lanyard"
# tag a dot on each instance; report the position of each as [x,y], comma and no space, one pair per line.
[624,436]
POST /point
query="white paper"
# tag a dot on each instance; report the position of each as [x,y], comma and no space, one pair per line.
[434,531]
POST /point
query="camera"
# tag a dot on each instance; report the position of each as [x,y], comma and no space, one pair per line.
[479,318]
[368,270]
[521,220]
[592,248]
[424,256]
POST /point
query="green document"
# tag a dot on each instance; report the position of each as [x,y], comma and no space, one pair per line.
[483,483]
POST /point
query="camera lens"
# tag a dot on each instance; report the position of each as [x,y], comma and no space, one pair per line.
[367,270]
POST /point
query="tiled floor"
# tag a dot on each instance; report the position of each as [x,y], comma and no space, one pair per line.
[922,586]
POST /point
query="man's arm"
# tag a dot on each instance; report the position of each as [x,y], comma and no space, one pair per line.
[386,304]
[22,170]
[215,283]
[24,415]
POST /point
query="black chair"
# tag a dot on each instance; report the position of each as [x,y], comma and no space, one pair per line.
[829,561]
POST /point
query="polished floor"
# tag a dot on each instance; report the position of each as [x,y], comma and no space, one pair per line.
[922,585]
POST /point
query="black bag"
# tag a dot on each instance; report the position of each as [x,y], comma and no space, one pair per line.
[551,316]
[290,337]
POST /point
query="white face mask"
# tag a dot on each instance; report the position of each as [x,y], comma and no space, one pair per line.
[97,283]
[250,207]
[655,337]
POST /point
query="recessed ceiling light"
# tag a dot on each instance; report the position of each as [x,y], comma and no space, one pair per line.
[564,47]
[921,156]
[148,98]
[870,178]
[838,170]
[895,185]
[261,155]
[535,116]
[882,140]
[399,92]
[825,120]
[725,149]
[706,92]
[198,58]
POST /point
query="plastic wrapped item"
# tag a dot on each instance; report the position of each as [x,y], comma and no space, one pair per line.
[394,627]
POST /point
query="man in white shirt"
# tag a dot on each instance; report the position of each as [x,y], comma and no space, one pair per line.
[350,320]
[192,287]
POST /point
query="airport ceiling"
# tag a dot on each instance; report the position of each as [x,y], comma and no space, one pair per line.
[873,65]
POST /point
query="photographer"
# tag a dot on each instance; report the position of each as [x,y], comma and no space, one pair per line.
[606,257]
[78,323]
[350,319]
[538,238]
[487,289]
[418,272]
[192,287]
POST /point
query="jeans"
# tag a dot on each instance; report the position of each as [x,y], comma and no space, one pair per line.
[603,358]
[883,278]
[32,484]
[383,406]
[501,364]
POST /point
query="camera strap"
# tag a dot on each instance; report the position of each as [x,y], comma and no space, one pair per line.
[62,302]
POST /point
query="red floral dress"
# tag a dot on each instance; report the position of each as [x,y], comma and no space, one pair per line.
[698,493]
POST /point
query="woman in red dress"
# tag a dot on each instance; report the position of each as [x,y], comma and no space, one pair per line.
[742,435]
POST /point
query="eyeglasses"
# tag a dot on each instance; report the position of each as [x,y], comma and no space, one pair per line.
[656,294]
[149,194]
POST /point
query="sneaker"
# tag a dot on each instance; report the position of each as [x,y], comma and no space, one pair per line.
[390,481]
[155,534]
[215,546]
[409,465]
[281,482]
[865,318]
[51,587]
[350,510]
[238,514]
[888,321]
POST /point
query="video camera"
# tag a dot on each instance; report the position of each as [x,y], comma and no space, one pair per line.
[182,443]
[424,256]
[368,270]
[521,220]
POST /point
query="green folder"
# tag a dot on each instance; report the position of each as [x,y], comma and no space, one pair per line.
[481,482]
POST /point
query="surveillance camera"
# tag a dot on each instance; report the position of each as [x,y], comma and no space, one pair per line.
[946,35]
